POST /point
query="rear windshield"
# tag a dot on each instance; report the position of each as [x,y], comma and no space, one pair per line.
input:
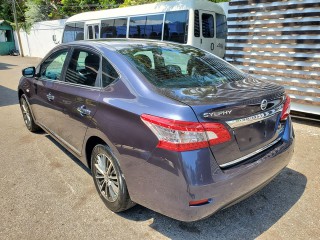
[177,66]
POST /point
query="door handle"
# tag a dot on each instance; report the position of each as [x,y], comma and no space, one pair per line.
[83,111]
[50,97]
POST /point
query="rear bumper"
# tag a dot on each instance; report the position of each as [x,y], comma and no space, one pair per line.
[237,183]
[171,180]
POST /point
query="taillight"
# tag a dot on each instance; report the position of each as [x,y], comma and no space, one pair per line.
[185,136]
[286,108]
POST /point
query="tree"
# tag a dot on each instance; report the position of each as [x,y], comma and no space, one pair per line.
[72,7]
[110,3]
[36,11]
[139,2]
[6,10]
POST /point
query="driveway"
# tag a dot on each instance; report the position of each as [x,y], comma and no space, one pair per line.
[45,193]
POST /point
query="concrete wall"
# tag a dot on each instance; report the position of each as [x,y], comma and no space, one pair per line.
[38,42]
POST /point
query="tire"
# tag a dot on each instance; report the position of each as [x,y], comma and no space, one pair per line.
[108,179]
[27,115]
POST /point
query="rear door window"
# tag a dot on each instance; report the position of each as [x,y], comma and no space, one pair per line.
[83,68]
[109,74]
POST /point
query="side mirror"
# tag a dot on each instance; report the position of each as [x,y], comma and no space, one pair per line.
[29,72]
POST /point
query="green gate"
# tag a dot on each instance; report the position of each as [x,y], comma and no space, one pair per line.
[6,38]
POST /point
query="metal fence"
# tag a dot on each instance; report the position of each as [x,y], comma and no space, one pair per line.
[279,41]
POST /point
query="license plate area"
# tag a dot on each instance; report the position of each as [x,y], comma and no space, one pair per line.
[255,134]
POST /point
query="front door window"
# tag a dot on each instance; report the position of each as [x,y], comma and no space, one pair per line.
[51,68]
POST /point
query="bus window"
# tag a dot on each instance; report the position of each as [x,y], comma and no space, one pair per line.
[176,26]
[221,26]
[207,25]
[196,24]
[146,27]
[73,32]
[93,31]
[90,32]
[79,31]
[68,34]
[114,28]
[154,26]
[96,31]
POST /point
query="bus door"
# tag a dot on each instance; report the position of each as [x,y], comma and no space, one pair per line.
[207,34]
[93,30]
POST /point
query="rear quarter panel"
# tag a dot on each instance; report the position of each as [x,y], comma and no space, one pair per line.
[119,124]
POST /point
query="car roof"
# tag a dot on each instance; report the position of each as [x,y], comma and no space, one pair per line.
[118,44]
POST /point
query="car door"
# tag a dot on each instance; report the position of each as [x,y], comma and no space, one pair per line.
[77,97]
[43,99]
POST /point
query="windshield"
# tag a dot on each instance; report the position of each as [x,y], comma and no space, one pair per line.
[174,66]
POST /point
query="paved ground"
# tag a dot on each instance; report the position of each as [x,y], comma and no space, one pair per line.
[45,193]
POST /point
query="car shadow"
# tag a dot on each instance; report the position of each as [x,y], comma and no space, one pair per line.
[5,66]
[73,158]
[245,220]
[8,97]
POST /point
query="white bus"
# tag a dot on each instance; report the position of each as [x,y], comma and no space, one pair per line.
[199,23]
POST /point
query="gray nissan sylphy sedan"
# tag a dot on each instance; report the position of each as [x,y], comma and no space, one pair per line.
[171,127]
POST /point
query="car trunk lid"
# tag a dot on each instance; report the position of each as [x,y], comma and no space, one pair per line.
[249,108]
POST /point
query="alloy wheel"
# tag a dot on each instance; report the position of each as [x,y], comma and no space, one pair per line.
[26,113]
[106,177]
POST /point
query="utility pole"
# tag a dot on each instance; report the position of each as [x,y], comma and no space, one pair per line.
[17,26]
